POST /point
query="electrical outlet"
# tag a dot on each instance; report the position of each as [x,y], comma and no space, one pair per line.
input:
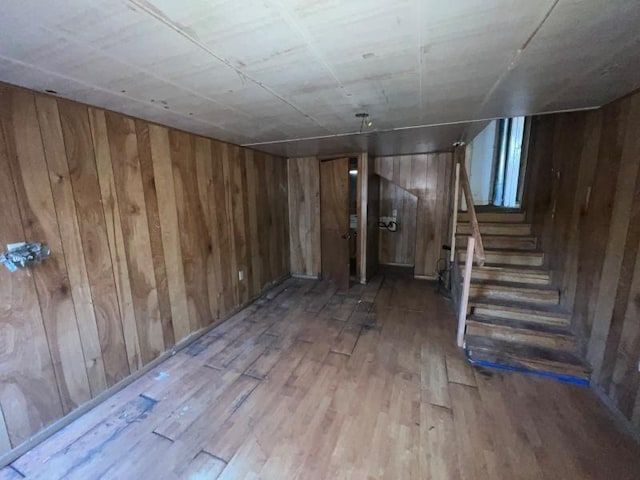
[394,213]
[241,275]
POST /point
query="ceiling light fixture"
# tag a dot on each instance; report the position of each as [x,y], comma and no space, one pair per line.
[364,120]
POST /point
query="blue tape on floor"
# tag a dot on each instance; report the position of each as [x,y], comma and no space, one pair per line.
[562,378]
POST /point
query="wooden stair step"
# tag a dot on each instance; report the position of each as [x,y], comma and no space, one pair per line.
[543,314]
[529,333]
[510,273]
[510,242]
[509,257]
[495,228]
[566,365]
[519,292]
[493,216]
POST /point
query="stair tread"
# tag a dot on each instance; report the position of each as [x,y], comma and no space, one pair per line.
[495,224]
[494,209]
[530,253]
[514,268]
[513,285]
[536,327]
[524,351]
[555,310]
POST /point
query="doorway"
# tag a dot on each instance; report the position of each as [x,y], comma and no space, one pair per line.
[497,163]
[335,225]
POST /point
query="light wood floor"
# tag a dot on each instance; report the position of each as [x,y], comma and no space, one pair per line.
[311,383]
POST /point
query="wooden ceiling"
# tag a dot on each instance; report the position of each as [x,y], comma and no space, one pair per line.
[288,76]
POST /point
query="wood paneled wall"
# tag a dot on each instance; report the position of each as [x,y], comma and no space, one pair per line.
[398,248]
[148,228]
[583,198]
[428,177]
[304,216]
[368,217]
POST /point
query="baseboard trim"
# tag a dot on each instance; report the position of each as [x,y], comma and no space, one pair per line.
[62,422]
[622,422]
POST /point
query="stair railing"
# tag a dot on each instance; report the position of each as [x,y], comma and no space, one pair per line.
[475,248]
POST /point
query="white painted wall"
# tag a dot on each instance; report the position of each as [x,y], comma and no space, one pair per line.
[480,167]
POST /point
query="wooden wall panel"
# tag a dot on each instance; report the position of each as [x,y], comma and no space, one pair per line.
[194,237]
[135,229]
[147,228]
[584,196]
[115,237]
[60,179]
[304,216]
[222,243]
[155,233]
[29,396]
[90,214]
[40,223]
[169,229]
[397,248]
[428,177]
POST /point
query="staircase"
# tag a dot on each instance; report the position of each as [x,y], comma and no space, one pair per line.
[514,319]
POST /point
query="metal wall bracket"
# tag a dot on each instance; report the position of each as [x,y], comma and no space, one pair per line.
[23,255]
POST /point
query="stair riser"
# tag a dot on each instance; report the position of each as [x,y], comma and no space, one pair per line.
[539,297]
[509,258]
[528,337]
[558,369]
[492,217]
[508,242]
[525,316]
[496,229]
[505,276]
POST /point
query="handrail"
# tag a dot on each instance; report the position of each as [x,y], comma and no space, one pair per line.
[473,217]
[464,296]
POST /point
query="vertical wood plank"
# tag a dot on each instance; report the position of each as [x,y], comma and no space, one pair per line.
[29,396]
[237,221]
[223,246]
[63,197]
[40,224]
[135,229]
[304,215]
[169,229]
[204,175]
[193,233]
[115,238]
[253,204]
[155,234]
[88,201]
[622,169]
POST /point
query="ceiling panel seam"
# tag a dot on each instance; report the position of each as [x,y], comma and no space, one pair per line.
[159,16]
[413,127]
[295,24]
[516,56]
[110,92]
[71,39]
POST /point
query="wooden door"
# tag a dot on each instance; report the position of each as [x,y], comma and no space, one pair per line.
[334,220]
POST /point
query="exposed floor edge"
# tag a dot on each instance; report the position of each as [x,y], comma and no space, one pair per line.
[59,424]
[305,276]
[621,421]
[425,277]
[555,376]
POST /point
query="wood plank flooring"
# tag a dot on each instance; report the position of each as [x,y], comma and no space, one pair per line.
[309,382]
